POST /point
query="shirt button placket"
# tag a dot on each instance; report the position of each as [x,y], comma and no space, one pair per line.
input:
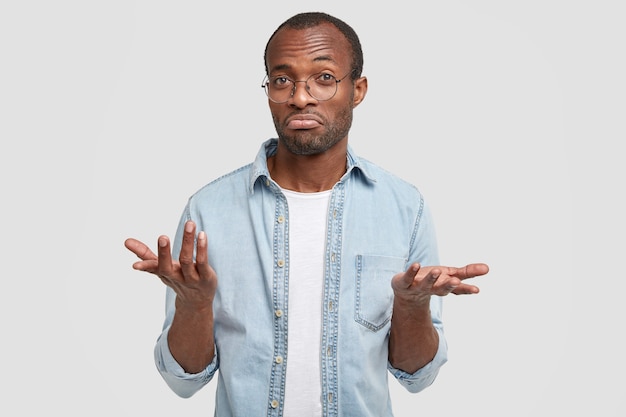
[333,294]
[279,295]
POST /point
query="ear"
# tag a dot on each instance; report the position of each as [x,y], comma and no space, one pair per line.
[360,90]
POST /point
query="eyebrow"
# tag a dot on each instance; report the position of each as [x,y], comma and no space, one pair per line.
[324,58]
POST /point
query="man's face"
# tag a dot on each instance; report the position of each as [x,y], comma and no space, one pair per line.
[305,125]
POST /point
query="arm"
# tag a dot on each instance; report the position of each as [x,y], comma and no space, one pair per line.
[190,337]
[413,340]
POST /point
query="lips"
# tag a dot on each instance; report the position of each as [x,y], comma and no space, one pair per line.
[304,121]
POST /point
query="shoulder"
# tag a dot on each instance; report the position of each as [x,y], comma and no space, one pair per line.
[228,185]
[384,180]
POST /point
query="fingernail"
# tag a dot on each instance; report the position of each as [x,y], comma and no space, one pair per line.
[189,227]
[162,242]
[201,235]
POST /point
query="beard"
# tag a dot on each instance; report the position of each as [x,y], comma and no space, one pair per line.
[305,142]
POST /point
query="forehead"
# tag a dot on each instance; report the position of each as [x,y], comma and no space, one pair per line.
[323,44]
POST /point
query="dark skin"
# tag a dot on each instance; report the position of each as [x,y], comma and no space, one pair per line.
[190,337]
[311,157]
[306,123]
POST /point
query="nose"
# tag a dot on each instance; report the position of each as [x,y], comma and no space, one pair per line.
[300,96]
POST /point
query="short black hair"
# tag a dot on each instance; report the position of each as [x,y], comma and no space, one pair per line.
[312,19]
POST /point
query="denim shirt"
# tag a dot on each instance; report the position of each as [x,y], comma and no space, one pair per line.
[377,225]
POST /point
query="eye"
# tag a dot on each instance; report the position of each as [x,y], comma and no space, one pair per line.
[280,82]
[325,78]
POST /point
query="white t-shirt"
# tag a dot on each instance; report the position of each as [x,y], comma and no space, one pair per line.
[307,234]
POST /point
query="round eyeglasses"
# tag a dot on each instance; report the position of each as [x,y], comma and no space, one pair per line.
[321,86]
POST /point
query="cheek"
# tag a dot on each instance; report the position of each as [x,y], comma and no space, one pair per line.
[276,113]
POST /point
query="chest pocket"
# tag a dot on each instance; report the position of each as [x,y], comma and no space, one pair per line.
[374,295]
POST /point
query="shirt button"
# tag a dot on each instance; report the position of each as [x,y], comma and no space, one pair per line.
[281,219]
[274,403]
[279,359]
[278,313]
[267,183]
[281,263]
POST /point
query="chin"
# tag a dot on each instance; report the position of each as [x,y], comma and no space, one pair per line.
[306,145]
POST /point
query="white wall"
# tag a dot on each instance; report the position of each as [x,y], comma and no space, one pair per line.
[507,115]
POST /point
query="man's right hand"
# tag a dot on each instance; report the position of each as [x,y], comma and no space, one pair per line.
[190,336]
[194,282]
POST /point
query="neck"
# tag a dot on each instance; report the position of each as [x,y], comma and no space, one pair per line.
[308,173]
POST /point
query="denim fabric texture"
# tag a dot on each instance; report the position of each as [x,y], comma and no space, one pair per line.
[377,225]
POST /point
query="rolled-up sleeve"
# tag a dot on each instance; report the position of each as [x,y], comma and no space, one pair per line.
[182,383]
[426,375]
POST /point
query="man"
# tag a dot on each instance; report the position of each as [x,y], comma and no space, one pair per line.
[317,252]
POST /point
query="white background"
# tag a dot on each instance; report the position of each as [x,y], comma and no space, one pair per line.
[508,115]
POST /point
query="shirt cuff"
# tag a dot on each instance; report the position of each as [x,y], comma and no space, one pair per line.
[425,376]
[182,383]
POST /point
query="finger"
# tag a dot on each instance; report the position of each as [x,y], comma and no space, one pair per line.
[186,251]
[140,249]
[202,256]
[164,256]
[431,280]
[469,271]
[464,289]
[151,266]
[405,280]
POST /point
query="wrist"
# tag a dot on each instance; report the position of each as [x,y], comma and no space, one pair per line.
[194,308]
[411,301]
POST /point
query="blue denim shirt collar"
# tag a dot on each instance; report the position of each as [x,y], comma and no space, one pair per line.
[260,170]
